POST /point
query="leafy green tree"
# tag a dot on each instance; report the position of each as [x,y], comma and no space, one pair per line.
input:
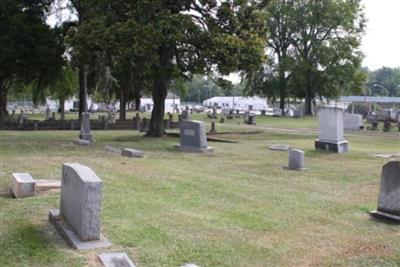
[326,44]
[384,82]
[28,47]
[171,40]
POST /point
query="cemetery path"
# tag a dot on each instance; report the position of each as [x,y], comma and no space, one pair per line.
[314,132]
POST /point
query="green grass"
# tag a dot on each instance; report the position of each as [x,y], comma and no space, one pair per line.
[236,207]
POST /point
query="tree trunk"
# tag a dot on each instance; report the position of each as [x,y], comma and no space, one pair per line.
[122,104]
[82,90]
[160,90]
[3,102]
[308,100]
[62,108]
[282,89]
[156,128]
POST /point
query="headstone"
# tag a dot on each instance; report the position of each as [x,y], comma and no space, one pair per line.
[21,118]
[389,194]
[331,133]
[23,185]
[279,147]
[179,117]
[352,121]
[185,114]
[111,117]
[53,116]
[144,125]
[387,125]
[13,113]
[116,260]
[213,127]
[193,137]
[296,159]
[85,128]
[80,205]
[190,265]
[251,119]
[222,120]
[47,113]
[132,153]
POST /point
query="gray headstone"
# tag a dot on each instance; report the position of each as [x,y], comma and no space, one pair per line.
[389,194]
[193,136]
[190,265]
[185,114]
[48,113]
[352,121]
[111,149]
[296,159]
[116,260]
[85,128]
[331,132]
[23,185]
[331,124]
[132,153]
[81,194]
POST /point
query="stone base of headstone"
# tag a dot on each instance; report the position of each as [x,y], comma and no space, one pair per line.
[132,153]
[82,142]
[384,216]
[336,147]
[116,260]
[44,185]
[209,149]
[23,185]
[88,137]
[72,239]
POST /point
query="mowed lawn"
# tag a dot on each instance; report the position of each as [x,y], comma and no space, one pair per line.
[236,207]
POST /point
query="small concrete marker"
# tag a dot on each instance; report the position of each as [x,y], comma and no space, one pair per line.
[190,265]
[132,153]
[279,147]
[81,142]
[111,149]
[117,259]
[23,185]
[296,160]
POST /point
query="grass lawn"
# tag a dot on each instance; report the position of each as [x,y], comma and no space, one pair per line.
[236,207]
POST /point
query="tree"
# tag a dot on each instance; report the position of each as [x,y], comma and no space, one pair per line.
[384,82]
[326,44]
[28,47]
[170,40]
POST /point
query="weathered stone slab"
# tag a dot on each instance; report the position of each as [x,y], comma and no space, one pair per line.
[70,236]
[80,205]
[190,265]
[193,137]
[132,153]
[279,147]
[82,142]
[23,185]
[111,149]
[116,260]
[389,194]
[296,159]
[42,185]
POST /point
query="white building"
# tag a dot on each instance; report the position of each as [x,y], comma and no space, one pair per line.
[172,102]
[237,103]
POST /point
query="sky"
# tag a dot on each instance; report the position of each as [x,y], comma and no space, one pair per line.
[381,41]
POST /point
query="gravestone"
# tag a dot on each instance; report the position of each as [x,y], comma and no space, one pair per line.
[132,153]
[47,113]
[78,219]
[331,133]
[53,116]
[279,147]
[23,185]
[185,114]
[213,127]
[251,119]
[85,128]
[116,260]
[389,194]
[144,125]
[296,159]
[21,118]
[352,121]
[111,117]
[193,137]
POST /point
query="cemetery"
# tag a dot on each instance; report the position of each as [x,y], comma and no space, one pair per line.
[235,206]
[199,133]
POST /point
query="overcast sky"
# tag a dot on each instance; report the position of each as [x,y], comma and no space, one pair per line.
[381,42]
